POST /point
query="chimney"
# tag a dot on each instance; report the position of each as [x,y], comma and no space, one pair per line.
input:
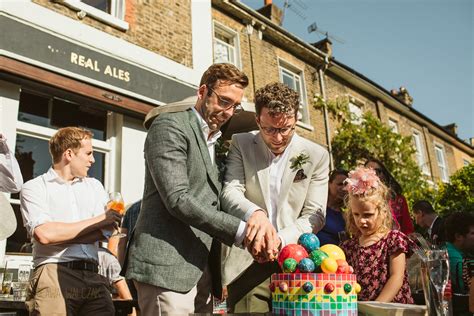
[452,129]
[324,45]
[272,12]
[403,96]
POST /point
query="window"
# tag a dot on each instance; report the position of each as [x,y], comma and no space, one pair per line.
[420,155]
[116,8]
[293,78]
[40,116]
[226,45]
[393,125]
[356,113]
[111,12]
[443,170]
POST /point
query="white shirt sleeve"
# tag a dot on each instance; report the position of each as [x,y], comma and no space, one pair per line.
[11,179]
[34,205]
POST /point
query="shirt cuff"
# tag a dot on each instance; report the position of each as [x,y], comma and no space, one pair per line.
[250,211]
[107,233]
[283,242]
[240,235]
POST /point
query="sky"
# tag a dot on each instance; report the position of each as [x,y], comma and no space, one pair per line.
[427,46]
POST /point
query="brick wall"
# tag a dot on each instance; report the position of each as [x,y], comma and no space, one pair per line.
[161,26]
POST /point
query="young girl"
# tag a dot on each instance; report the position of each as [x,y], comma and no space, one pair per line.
[377,253]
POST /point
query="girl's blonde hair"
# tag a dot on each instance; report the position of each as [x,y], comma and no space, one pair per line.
[373,192]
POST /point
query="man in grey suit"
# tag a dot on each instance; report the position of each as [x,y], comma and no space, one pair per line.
[277,171]
[170,258]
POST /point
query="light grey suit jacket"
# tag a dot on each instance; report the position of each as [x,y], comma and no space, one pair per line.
[301,204]
[180,210]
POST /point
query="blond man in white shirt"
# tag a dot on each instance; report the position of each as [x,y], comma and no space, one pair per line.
[64,213]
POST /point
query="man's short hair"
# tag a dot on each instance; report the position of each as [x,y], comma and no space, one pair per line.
[224,73]
[278,98]
[458,223]
[424,207]
[67,138]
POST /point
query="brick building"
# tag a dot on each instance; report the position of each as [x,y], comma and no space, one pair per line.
[255,41]
[103,64]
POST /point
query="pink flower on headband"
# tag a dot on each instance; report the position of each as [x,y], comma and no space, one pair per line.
[361,180]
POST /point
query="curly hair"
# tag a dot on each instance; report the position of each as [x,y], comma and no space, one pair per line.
[378,198]
[223,73]
[278,98]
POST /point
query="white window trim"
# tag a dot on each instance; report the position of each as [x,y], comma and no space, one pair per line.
[394,126]
[114,19]
[216,27]
[421,153]
[283,64]
[444,176]
[356,118]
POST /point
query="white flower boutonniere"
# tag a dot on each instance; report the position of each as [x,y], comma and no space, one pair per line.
[297,163]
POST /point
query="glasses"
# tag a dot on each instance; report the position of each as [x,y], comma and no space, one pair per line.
[226,104]
[283,131]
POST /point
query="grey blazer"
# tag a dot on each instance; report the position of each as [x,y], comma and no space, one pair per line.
[180,210]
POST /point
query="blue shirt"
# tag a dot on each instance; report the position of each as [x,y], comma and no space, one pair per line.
[334,224]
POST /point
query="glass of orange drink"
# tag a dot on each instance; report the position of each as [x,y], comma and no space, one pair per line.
[116,204]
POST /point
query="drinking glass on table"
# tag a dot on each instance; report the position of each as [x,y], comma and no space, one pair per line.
[7,283]
[116,204]
[438,268]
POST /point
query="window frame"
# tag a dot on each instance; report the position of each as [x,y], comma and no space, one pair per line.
[443,168]
[393,124]
[115,18]
[296,72]
[420,153]
[233,36]
[108,147]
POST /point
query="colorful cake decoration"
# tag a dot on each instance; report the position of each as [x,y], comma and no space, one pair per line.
[303,290]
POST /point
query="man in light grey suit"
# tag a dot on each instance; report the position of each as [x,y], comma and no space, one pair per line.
[277,171]
[170,257]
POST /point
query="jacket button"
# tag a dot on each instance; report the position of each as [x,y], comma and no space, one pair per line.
[214,203]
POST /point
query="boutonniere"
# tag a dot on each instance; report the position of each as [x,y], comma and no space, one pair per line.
[297,163]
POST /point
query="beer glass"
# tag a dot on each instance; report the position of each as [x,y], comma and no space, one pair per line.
[116,204]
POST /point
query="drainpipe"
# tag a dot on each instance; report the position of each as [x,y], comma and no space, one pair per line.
[322,86]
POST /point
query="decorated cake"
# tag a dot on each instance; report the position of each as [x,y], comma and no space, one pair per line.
[315,280]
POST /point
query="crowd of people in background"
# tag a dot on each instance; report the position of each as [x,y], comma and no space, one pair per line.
[192,238]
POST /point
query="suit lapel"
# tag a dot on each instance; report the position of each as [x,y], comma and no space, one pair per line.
[260,154]
[211,170]
[288,174]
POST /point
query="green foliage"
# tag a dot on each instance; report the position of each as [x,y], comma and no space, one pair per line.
[458,195]
[353,143]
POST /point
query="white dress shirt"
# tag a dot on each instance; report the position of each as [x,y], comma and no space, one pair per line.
[277,165]
[49,198]
[11,179]
[211,143]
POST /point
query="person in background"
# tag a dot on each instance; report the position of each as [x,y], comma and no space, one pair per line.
[335,226]
[426,217]
[110,268]
[64,212]
[396,200]
[376,252]
[11,179]
[459,227]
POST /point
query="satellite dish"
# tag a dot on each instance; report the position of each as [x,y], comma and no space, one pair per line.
[314,28]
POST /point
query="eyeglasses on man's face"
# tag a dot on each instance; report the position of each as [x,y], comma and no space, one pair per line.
[283,131]
[226,104]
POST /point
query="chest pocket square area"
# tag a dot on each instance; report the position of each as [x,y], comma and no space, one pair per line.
[300,175]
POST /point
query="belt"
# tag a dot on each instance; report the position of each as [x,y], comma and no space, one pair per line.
[81,265]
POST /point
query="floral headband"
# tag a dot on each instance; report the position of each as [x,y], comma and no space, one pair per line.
[362,180]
